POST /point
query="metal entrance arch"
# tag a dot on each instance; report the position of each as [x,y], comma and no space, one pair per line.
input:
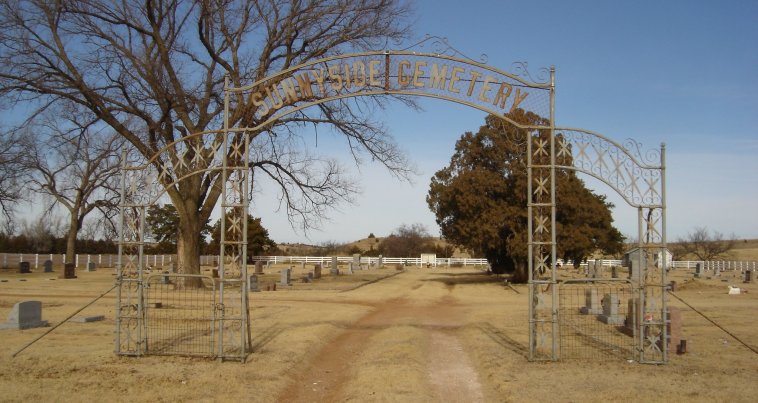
[251,109]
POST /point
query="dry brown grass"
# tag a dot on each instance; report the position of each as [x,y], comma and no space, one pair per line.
[392,340]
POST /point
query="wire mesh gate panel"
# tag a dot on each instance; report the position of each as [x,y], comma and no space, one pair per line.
[593,320]
[189,320]
[180,320]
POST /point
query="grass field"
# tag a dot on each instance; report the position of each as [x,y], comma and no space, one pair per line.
[423,335]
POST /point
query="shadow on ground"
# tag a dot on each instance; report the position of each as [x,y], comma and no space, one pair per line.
[468,278]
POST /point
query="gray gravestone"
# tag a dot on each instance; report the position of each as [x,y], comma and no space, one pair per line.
[252,283]
[614,272]
[350,268]
[87,319]
[592,303]
[634,271]
[716,271]
[303,266]
[285,277]
[611,310]
[357,260]
[698,270]
[334,262]
[380,261]
[259,267]
[24,267]
[25,315]
[91,266]
[592,269]
[598,268]
[317,271]
[48,266]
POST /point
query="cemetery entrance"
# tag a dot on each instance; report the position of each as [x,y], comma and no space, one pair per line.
[623,314]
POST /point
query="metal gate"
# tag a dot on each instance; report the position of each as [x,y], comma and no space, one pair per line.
[172,310]
[639,178]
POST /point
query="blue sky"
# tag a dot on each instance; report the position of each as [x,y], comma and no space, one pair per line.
[680,72]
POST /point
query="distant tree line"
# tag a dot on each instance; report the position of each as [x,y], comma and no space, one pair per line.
[22,243]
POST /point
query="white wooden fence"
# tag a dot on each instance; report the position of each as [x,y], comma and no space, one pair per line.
[11,260]
[412,261]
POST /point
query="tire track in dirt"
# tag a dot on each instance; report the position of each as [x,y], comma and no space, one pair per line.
[449,372]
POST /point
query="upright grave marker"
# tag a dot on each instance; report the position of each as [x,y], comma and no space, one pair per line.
[25,315]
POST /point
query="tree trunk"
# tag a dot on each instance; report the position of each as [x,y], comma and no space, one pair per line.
[520,274]
[71,240]
[188,247]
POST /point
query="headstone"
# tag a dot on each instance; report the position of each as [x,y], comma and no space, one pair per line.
[634,271]
[349,268]
[91,266]
[259,267]
[87,319]
[611,310]
[69,271]
[356,259]
[25,315]
[309,276]
[598,268]
[303,266]
[172,267]
[48,266]
[252,283]
[698,270]
[592,303]
[592,269]
[716,271]
[24,267]
[285,277]
[317,271]
[334,262]
[674,328]
[380,261]
[748,276]
[614,272]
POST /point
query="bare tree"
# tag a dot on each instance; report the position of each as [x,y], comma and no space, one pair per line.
[11,171]
[42,232]
[407,241]
[154,72]
[706,245]
[74,164]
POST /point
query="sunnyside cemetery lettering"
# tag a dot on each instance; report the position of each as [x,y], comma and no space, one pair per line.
[377,74]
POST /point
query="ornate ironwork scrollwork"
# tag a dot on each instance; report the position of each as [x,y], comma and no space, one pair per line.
[439,45]
[521,69]
[639,183]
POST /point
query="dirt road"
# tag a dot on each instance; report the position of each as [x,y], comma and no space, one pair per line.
[423,315]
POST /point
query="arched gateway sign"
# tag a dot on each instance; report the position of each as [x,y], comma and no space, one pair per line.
[636,302]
